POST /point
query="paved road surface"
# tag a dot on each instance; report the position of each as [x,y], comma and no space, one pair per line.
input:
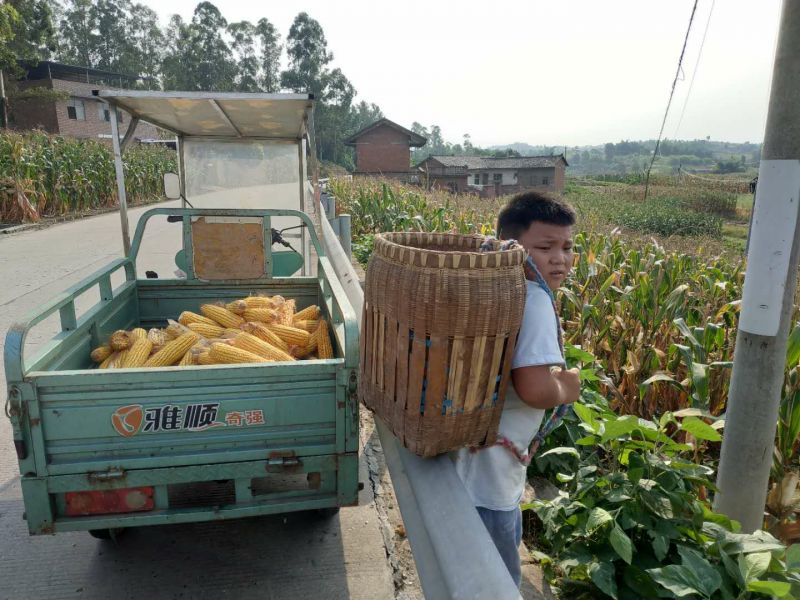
[289,557]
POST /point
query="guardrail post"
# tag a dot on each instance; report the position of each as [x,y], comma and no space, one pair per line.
[345,235]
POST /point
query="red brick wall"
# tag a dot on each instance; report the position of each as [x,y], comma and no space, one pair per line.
[382,150]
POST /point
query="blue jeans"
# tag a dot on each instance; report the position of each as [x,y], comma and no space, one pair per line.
[505,527]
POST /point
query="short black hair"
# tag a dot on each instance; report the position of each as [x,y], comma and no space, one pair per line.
[527,207]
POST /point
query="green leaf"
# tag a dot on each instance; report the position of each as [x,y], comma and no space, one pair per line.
[774,588]
[793,558]
[622,544]
[700,429]
[576,353]
[752,566]
[597,518]
[619,427]
[602,575]
[708,578]
[562,451]
[589,440]
[675,578]
[660,545]
[793,348]
[587,415]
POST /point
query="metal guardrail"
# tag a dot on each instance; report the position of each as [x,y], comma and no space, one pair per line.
[455,556]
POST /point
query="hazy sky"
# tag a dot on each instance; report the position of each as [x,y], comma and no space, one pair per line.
[562,72]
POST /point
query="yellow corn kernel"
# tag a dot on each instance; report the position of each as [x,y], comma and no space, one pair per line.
[286,312]
[188,317]
[158,337]
[230,332]
[310,313]
[137,354]
[206,330]
[227,354]
[263,301]
[264,315]
[137,334]
[188,359]
[120,340]
[237,307]
[291,335]
[221,315]
[309,325]
[249,342]
[175,330]
[172,351]
[262,332]
[101,353]
[110,360]
[324,346]
[120,360]
[204,358]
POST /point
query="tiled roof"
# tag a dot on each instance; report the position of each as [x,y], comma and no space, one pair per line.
[484,162]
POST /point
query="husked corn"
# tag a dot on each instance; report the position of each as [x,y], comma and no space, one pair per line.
[227,354]
[204,358]
[265,315]
[324,346]
[188,359]
[237,307]
[291,335]
[188,317]
[309,325]
[175,330]
[263,301]
[251,343]
[110,359]
[158,337]
[308,313]
[137,334]
[172,351]
[120,340]
[206,330]
[231,332]
[137,354]
[101,353]
[262,332]
[221,315]
[286,312]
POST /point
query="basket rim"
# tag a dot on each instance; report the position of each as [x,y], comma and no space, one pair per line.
[384,244]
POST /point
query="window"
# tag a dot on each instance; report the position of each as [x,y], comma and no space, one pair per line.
[545,181]
[485,179]
[497,178]
[476,179]
[103,112]
[76,109]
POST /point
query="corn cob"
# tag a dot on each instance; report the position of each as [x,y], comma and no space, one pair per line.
[111,359]
[286,312]
[188,359]
[101,353]
[263,301]
[204,358]
[230,332]
[137,354]
[206,330]
[262,332]
[308,324]
[290,335]
[237,307]
[188,317]
[120,340]
[137,334]
[172,351]
[226,354]
[158,337]
[251,343]
[308,313]
[310,347]
[265,315]
[120,360]
[323,340]
[175,330]
[221,315]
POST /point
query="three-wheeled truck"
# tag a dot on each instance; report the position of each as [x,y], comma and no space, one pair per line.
[105,449]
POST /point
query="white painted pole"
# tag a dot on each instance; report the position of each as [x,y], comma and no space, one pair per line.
[768,296]
[123,200]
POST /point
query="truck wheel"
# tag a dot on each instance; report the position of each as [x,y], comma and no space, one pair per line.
[106,534]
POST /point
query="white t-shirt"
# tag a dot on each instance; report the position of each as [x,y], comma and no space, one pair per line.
[494,478]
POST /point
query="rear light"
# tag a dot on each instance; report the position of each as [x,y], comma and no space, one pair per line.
[80,504]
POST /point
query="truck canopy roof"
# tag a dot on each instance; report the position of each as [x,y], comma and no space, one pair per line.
[218,114]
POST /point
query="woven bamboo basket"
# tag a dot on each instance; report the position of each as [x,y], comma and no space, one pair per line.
[440,322]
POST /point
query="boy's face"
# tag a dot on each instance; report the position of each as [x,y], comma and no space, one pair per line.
[550,247]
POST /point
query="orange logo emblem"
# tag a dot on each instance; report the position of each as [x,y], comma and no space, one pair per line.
[127,419]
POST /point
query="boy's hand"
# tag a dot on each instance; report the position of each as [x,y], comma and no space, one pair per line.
[570,383]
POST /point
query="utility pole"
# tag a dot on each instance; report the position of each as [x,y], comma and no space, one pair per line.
[768,295]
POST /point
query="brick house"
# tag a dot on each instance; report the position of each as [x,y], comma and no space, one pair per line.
[492,177]
[82,115]
[384,148]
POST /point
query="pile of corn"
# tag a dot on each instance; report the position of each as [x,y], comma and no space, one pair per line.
[255,329]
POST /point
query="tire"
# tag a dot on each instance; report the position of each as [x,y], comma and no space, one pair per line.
[107,534]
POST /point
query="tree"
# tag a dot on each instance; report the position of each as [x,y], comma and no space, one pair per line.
[363,114]
[243,46]
[269,38]
[144,51]
[77,38]
[211,61]
[308,57]
[110,21]
[174,67]
[34,33]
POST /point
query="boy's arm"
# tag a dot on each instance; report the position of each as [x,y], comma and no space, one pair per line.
[540,387]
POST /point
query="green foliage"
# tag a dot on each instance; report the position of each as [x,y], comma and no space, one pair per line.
[631,521]
[667,217]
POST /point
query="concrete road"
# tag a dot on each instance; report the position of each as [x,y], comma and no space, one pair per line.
[296,556]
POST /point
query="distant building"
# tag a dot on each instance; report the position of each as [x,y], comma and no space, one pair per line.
[384,148]
[492,177]
[82,115]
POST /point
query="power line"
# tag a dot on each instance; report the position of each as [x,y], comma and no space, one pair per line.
[694,73]
[669,102]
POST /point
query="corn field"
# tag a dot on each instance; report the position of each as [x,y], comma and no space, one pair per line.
[44,176]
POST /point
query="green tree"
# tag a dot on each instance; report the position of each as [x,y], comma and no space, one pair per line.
[144,52]
[270,55]
[363,114]
[77,37]
[9,19]
[109,33]
[243,45]
[211,61]
[34,33]
[308,57]
[175,67]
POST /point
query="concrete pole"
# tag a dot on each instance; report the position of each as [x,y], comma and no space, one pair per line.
[768,295]
[118,165]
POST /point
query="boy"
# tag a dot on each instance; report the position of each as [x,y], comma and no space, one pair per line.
[495,477]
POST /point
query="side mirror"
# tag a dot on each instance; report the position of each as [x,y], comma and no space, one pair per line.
[172,186]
